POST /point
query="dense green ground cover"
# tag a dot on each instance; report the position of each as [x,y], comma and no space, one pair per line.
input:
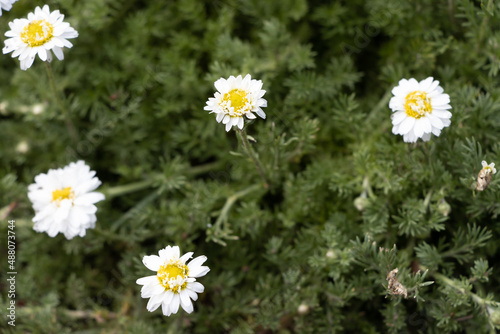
[298,256]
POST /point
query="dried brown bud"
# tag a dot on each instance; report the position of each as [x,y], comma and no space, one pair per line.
[395,288]
[483,179]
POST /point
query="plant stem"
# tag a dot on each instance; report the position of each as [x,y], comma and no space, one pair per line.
[6,210]
[478,300]
[225,211]
[483,27]
[202,169]
[231,200]
[383,102]
[67,119]
[140,185]
[127,188]
[244,139]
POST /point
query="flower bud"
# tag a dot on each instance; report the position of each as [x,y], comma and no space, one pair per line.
[330,254]
[303,309]
[37,108]
[22,147]
[361,202]
[494,313]
[444,208]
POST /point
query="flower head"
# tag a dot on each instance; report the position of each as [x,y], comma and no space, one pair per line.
[420,108]
[63,200]
[42,32]
[489,168]
[484,176]
[175,281]
[237,97]
[6,5]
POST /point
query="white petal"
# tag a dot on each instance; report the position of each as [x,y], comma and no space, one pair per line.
[193,295]
[426,84]
[165,308]
[418,128]
[58,52]
[436,92]
[152,288]
[443,114]
[63,211]
[397,103]
[426,124]
[199,271]
[176,252]
[221,85]
[398,117]
[426,137]
[42,53]
[196,287]
[433,86]
[89,198]
[413,84]
[152,262]
[154,302]
[174,304]
[435,121]
[146,280]
[261,113]
[26,63]
[186,303]
[197,261]
[186,257]
[440,100]
[167,299]
[406,125]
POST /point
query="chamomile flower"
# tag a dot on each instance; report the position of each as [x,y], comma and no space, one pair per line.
[6,5]
[42,33]
[63,200]
[237,97]
[175,281]
[489,169]
[484,176]
[420,109]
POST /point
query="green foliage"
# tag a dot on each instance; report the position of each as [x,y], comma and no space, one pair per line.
[347,201]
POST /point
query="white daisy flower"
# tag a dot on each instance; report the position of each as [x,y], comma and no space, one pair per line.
[237,97]
[420,108]
[6,5]
[42,32]
[63,200]
[175,281]
[489,168]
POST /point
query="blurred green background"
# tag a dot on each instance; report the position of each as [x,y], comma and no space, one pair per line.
[298,257]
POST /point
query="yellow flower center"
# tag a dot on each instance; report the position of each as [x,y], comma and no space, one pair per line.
[60,194]
[37,33]
[238,100]
[417,104]
[173,276]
